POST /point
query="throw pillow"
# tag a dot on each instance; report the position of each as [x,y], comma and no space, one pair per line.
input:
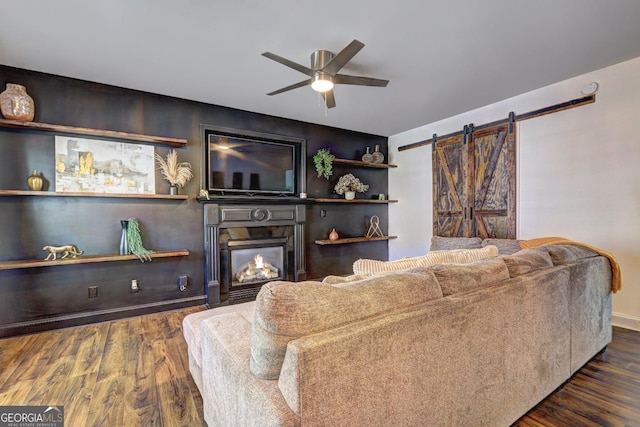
[369,266]
[286,311]
[466,256]
[366,266]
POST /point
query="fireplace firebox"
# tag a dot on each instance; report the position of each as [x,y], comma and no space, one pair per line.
[248,246]
[247,264]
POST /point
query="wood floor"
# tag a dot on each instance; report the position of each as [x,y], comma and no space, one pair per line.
[134,372]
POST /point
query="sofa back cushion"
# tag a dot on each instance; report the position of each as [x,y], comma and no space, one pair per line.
[288,310]
[505,246]
[527,260]
[455,278]
[439,243]
[564,254]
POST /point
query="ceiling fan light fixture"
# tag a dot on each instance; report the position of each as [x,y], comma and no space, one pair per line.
[321,82]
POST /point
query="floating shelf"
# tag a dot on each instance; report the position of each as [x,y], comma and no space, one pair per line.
[364,164]
[46,127]
[82,259]
[353,240]
[81,194]
[354,201]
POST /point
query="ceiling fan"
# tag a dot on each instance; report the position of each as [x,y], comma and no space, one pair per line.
[323,72]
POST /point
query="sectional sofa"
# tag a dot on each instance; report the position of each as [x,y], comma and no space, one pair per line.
[475,344]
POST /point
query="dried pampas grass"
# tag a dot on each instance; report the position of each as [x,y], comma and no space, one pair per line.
[176,173]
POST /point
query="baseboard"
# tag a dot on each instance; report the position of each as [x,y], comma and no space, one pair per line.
[625,321]
[77,319]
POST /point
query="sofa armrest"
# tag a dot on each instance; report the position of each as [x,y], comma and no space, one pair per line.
[231,394]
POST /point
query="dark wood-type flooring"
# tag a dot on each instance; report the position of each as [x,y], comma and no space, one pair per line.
[134,372]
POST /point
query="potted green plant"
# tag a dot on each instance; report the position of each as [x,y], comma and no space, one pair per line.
[323,161]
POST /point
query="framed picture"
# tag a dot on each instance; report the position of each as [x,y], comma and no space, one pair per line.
[103,166]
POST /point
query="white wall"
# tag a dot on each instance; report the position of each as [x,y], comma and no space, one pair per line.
[578,174]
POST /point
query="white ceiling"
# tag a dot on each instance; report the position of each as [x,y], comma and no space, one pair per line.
[441,57]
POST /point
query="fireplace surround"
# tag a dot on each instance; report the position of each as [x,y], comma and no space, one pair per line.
[236,234]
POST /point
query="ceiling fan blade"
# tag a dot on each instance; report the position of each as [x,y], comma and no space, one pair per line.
[284,61]
[291,87]
[359,80]
[329,99]
[343,57]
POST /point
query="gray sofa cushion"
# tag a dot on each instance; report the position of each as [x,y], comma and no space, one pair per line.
[527,260]
[439,243]
[563,254]
[287,310]
[454,278]
[505,246]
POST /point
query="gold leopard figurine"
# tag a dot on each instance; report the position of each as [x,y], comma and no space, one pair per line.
[66,250]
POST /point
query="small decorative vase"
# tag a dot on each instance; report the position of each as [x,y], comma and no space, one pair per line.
[349,195]
[16,104]
[124,240]
[173,190]
[367,157]
[34,181]
[333,236]
[378,157]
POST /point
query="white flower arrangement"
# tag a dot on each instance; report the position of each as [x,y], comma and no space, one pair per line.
[349,182]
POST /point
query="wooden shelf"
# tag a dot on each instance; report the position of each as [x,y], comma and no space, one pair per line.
[81,194]
[353,240]
[353,201]
[364,164]
[46,127]
[82,259]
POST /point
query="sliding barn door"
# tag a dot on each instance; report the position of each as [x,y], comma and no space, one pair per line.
[450,193]
[474,183]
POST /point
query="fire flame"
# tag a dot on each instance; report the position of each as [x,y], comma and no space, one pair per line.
[259,261]
[257,269]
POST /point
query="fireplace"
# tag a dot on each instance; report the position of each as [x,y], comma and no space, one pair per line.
[247,246]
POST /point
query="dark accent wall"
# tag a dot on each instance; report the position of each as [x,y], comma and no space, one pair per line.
[51,297]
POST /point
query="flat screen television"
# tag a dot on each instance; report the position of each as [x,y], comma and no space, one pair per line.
[249,165]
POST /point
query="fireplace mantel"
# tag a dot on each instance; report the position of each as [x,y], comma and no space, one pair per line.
[249,200]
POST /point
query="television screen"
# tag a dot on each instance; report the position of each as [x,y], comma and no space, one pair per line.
[245,165]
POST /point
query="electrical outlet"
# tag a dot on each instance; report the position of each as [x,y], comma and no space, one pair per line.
[134,286]
[93,292]
[323,213]
[183,282]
